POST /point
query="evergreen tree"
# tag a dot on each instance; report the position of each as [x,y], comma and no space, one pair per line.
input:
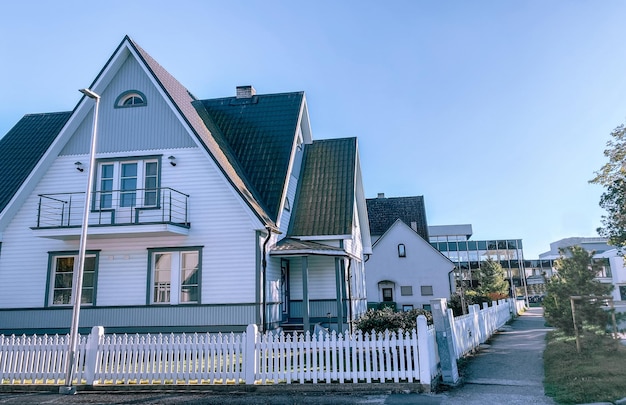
[612,175]
[492,280]
[575,276]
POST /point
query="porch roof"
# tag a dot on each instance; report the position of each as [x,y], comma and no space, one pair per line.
[295,247]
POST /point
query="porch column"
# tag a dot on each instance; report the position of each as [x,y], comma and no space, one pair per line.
[306,323]
[339,281]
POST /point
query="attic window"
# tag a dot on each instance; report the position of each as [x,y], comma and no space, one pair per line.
[401,250]
[131,98]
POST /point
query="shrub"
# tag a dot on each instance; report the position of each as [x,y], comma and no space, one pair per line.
[387,319]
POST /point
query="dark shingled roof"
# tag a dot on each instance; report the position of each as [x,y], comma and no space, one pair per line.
[383,212]
[23,146]
[324,204]
[260,133]
[187,105]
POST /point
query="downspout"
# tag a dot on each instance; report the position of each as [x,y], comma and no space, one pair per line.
[349,297]
[263,275]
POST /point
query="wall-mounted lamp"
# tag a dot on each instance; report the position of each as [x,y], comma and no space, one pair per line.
[172,160]
[79,166]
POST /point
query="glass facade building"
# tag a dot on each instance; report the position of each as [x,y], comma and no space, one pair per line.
[467,256]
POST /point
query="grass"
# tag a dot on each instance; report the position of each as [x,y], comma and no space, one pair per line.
[597,374]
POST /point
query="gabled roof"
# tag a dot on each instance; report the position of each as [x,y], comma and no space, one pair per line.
[259,132]
[383,212]
[325,201]
[183,100]
[398,225]
[23,146]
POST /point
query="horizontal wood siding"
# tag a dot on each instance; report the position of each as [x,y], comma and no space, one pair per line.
[234,317]
[151,127]
[318,308]
[220,222]
[321,278]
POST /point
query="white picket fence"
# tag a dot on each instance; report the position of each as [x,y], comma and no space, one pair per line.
[470,330]
[247,358]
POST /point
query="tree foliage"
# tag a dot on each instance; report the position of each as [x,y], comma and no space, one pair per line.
[492,280]
[575,276]
[379,320]
[612,176]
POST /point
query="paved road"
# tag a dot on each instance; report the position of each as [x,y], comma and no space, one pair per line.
[507,371]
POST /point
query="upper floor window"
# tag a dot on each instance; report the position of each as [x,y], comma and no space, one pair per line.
[401,250]
[128,183]
[132,98]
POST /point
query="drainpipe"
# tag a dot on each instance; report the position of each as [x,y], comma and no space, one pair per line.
[264,273]
[349,296]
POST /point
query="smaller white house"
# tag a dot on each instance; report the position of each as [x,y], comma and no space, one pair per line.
[405,269]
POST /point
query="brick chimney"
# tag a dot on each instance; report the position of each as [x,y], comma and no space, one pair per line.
[245,91]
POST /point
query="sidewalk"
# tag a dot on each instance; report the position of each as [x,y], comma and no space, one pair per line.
[509,370]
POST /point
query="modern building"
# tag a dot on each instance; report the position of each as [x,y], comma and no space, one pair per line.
[605,255]
[453,241]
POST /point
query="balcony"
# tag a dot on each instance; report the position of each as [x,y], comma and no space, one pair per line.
[114,213]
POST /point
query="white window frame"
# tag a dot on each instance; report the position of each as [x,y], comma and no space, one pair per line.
[53,262]
[168,288]
[141,191]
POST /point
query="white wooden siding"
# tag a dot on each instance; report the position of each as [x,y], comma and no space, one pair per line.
[321,283]
[219,222]
[153,126]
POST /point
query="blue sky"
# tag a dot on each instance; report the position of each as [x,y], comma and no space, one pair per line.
[497,112]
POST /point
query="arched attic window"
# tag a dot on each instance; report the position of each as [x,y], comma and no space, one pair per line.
[401,250]
[131,98]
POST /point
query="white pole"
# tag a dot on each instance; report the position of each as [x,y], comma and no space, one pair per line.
[78,276]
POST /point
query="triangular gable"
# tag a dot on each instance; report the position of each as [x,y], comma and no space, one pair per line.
[181,102]
[399,223]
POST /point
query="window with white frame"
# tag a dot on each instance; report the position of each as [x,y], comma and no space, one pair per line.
[131,98]
[128,183]
[175,276]
[62,268]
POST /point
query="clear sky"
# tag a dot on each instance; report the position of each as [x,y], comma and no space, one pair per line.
[497,112]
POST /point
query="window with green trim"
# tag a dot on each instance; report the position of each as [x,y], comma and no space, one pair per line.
[175,276]
[62,268]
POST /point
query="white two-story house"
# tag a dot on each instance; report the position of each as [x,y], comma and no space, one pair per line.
[207,215]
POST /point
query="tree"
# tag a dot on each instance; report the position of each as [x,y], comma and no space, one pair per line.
[492,280]
[612,176]
[575,276]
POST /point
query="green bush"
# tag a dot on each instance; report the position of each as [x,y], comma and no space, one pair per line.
[379,320]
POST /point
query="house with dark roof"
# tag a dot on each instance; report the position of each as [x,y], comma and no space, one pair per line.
[404,271]
[206,215]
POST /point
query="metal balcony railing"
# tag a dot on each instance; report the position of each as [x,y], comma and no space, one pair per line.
[114,207]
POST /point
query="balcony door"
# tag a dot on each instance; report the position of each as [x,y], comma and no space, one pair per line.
[122,186]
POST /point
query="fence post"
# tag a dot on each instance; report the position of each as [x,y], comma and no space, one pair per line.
[91,353]
[250,354]
[474,310]
[445,343]
[423,354]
